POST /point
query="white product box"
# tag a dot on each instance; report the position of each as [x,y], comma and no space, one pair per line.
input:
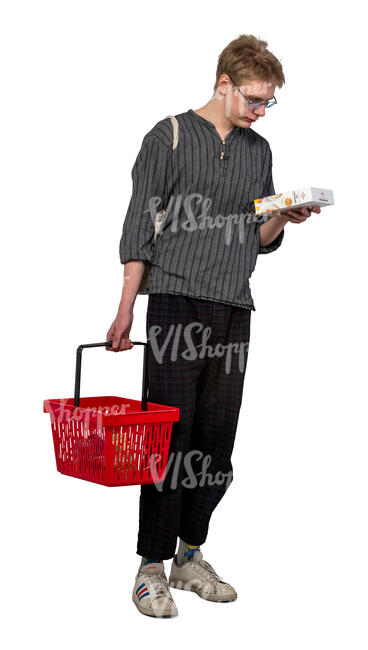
[307,196]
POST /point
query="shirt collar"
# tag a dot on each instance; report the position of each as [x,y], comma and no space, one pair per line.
[210,125]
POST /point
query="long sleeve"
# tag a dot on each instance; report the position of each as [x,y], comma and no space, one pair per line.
[268,191]
[148,176]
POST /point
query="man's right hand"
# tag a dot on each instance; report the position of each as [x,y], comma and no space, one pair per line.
[119,332]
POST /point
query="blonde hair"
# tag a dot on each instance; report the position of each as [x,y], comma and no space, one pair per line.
[247,58]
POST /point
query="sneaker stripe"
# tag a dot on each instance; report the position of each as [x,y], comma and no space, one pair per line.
[141,592]
[143,595]
[139,588]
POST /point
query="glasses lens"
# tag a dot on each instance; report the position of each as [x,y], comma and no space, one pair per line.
[267,103]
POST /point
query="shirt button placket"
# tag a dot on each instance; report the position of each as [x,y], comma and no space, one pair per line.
[222,163]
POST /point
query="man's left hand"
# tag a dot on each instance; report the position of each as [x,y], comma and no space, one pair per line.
[298,215]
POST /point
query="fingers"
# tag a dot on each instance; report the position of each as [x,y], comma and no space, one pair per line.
[116,341]
[114,335]
[109,337]
[118,333]
[298,215]
[304,211]
[125,344]
[121,342]
[295,216]
[295,220]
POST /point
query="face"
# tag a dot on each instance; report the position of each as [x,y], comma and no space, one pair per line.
[236,108]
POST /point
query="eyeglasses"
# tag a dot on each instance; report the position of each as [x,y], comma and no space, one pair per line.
[252,103]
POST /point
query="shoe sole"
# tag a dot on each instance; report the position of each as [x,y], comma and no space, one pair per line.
[215,598]
[148,612]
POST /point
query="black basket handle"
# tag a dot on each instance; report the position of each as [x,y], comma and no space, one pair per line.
[105,344]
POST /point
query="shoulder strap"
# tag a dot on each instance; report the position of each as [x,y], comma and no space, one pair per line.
[175,124]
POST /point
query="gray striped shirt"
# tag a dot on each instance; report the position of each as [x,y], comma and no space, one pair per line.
[208,243]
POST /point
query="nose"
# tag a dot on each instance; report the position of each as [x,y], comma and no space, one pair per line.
[260,110]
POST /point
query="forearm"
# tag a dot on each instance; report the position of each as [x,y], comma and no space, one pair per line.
[268,231]
[133,273]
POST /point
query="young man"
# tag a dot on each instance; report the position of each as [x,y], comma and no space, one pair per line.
[198,288]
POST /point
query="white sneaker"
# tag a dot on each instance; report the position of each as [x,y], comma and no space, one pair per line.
[151,592]
[199,576]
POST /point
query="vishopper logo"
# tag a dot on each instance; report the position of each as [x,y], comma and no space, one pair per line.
[184,474]
[192,350]
[196,208]
[64,412]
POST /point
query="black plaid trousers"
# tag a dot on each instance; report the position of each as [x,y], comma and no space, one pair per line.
[208,392]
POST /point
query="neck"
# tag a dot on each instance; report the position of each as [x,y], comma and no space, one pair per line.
[214,111]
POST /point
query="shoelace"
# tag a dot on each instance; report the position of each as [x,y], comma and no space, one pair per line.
[158,585]
[210,573]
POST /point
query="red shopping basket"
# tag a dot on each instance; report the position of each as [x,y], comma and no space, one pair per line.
[111,440]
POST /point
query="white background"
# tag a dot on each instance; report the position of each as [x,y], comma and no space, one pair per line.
[82,83]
